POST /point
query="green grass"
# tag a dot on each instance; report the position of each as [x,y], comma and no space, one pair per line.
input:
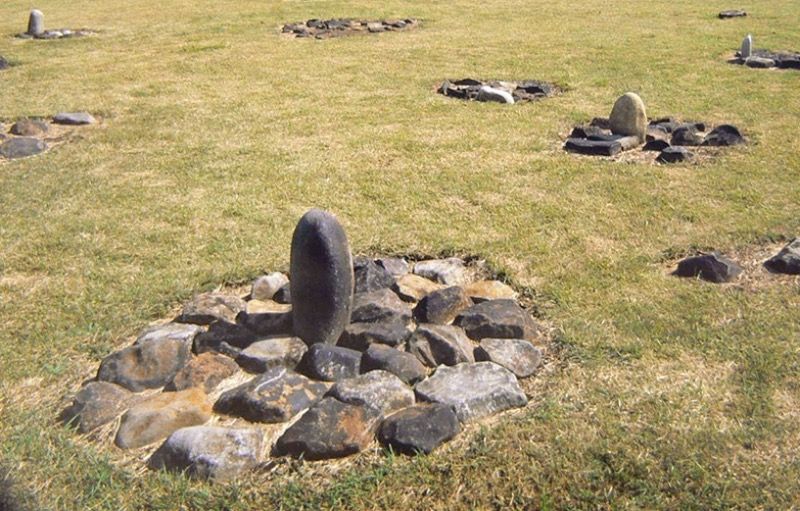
[218,134]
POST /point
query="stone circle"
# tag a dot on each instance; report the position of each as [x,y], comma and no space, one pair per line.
[36,29]
[749,56]
[337,27]
[30,136]
[497,91]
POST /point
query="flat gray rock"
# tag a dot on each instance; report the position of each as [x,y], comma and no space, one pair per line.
[380,390]
[206,452]
[74,118]
[497,318]
[404,365]
[330,363]
[473,390]
[420,428]
[206,308]
[450,272]
[96,404]
[22,147]
[517,355]
[276,396]
[787,260]
[379,306]
[441,344]
[274,352]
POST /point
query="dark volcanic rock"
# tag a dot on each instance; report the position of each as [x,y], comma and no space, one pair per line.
[412,288]
[222,336]
[206,308]
[420,428]
[404,365]
[205,371]
[273,352]
[517,355]
[379,306]
[787,260]
[442,306]
[497,318]
[22,147]
[359,336]
[380,390]
[759,62]
[277,322]
[96,404]
[276,396]
[330,429]
[589,131]
[330,363]
[322,278]
[712,267]
[396,266]
[724,135]
[593,147]
[370,276]
[686,136]
[731,14]
[674,155]
[473,390]
[284,294]
[655,145]
[441,344]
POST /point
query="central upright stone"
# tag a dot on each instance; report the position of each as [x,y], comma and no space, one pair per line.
[321,278]
[628,116]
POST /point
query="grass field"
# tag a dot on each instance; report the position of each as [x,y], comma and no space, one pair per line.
[218,134]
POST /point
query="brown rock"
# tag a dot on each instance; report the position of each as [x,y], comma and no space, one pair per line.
[442,306]
[412,288]
[205,371]
[485,290]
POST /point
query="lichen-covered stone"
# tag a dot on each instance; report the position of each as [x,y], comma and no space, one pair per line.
[330,363]
[450,272]
[412,288]
[442,306]
[484,290]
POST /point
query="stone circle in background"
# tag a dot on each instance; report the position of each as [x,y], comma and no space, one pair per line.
[36,29]
[749,56]
[231,381]
[628,129]
[337,27]
[497,91]
[734,13]
[31,136]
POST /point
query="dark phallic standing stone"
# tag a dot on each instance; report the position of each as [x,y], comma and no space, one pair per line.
[724,135]
[370,276]
[674,155]
[359,336]
[420,428]
[22,147]
[322,278]
[96,404]
[404,365]
[787,260]
[442,306]
[497,318]
[712,267]
[330,429]
[330,363]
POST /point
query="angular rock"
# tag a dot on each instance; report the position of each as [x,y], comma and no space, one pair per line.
[656,145]
[322,278]
[273,352]
[29,127]
[404,365]
[379,306]
[74,118]
[759,62]
[206,452]
[746,49]
[675,155]
[160,415]
[206,371]
[412,288]
[474,390]
[370,276]
[278,321]
[275,396]
[441,344]
[35,23]
[442,306]
[593,147]
[493,94]
[22,147]
[330,429]
[484,290]
[686,136]
[330,363]
[222,336]
[206,308]
[497,318]
[724,135]
[450,272]
[359,336]
[96,404]
[517,355]
[657,132]
[379,389]
[787,260]
[628,116]
[420,428]
[265,286]
[396,266]
[283,295]
[712,267]
[588,131]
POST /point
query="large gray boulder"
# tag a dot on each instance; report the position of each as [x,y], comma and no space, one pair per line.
[628,116]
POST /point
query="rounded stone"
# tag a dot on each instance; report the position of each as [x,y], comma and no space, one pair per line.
[35,23]
[322,278]
[628,116]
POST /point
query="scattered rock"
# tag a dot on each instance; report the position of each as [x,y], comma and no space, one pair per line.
[712,267]
[359,336]
[497,318]
[485,290]
[74,118]
[273,352]
[724,135]
[420,428]
[96,404]
[434,345]
[496,90]
[517,355]
[412,288]
[593,147]
[323,29]
[375,27]
[379,306]
[265,286]
[486,93]
[589,132]
[160,415]
[628,116]
[404,365]
[29,127]
[442,306]
[675,155]
[331,363]
[474,390]
[22,147]
[205,371]
[450,272]
[206,452]
[370,276]
[322,278]
[731,14]
[787,260]
[396,266]
[206,308]
[379,389]
[330,429]
[275,396]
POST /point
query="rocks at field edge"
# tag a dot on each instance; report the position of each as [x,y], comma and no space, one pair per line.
[420,428]
[97,403]
[724,135]
[497,318]
[686,136]
[628,116]
[485,290]
[711,267]
[379,390]
[379,306]
[787,260]
[206,371]
[412,288]
[404,365]
[517,355]
[370,276]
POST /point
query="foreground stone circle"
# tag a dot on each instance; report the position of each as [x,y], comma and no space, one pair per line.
[497,91]
[337,27]
[426,348]
[31,136]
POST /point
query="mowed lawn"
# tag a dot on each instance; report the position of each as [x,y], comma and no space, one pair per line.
[218,133]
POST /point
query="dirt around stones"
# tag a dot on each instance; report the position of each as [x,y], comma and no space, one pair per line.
[338,27]
[524,90]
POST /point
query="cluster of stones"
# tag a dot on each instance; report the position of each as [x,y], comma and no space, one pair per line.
[765,59]
[733,13]
[497,91]
[28,137]
[348,349]
[714,267]
[36,29]
[629,128]
[322,29]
